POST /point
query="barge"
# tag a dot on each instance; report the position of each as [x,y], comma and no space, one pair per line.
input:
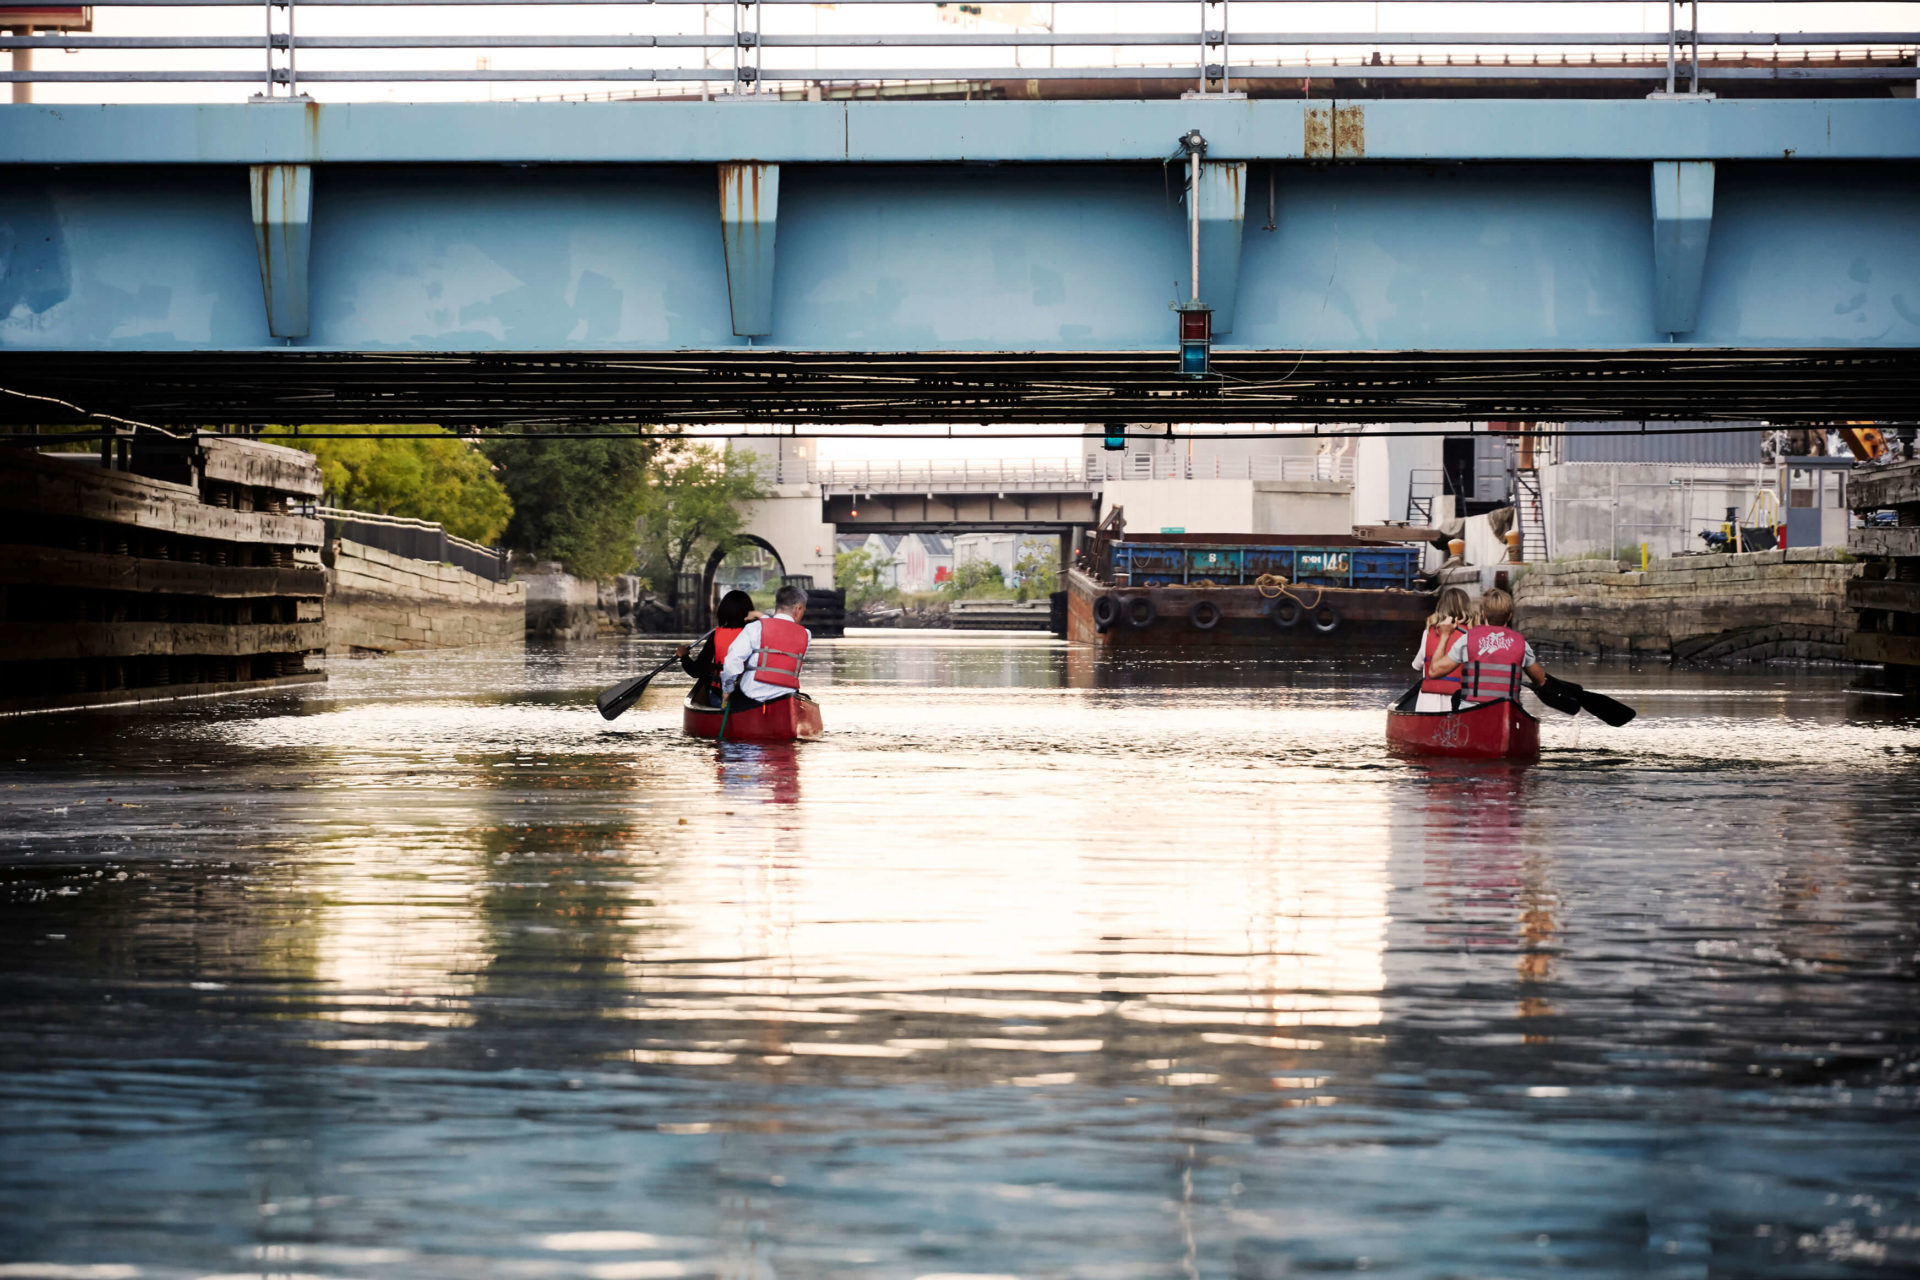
[1317,592]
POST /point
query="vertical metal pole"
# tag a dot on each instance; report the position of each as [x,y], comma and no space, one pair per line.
[293,74]
[23,61]
[1670,28]
[1695,6]
[1226,46]
[1193,218]
[1200,86]
[269,12]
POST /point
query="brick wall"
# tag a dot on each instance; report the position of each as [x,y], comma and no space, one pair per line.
[380,602]
[1750,607]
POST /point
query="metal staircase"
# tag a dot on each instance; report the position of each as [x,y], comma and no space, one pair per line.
[1531,512]
[1423,486]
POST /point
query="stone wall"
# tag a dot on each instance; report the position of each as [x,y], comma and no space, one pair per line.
[378,602]
[1751,607]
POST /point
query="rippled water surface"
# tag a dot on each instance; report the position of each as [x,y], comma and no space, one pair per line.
[1038,965]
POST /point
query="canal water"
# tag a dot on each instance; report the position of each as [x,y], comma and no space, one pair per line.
[1040,964]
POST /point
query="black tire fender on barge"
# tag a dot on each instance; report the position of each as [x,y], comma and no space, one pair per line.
[1205,615]
[1325,620]
[1140,611]
[1285,612]
[1106,612]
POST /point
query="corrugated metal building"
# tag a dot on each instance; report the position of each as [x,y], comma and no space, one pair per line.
[1588,442]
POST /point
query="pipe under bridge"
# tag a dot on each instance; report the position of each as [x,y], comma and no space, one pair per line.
[502,265]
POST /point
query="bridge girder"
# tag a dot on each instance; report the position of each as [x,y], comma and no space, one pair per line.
[529,264]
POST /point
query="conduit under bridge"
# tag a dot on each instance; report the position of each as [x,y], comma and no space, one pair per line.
[521,264]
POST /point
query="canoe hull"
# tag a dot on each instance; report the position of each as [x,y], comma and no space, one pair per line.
[794,719]
[1491,731]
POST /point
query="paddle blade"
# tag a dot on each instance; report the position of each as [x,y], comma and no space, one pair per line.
[1561,695]
[1599,704]
[617,698]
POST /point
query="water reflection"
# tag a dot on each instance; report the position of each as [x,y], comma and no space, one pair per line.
[1039,964]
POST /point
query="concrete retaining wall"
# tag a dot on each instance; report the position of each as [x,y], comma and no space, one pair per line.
[1719,608]
[382,603]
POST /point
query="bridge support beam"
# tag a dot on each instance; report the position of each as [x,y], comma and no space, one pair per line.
[749,219]
[1223,210]
[282,232]
[1682,222]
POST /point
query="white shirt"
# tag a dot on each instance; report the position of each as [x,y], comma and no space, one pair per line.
[734,673]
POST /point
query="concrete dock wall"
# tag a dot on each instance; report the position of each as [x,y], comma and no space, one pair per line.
[1751,607]
[379,602]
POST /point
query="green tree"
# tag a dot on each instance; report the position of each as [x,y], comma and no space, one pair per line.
[694,501]
[859,573]
[975,578]
[575,500]
[441,478]
[1036,571]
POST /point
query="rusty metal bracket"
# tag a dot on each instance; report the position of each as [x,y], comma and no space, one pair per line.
[282,233]
[749,221]
[1222,205]
[1682,224]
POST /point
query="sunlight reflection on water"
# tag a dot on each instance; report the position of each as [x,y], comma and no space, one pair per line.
[1038,964]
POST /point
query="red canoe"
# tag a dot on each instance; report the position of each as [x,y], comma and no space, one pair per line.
[788,720]
[1490,731]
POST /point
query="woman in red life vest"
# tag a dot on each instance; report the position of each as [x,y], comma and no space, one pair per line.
[1453,614]
[1491,657]
[730,618]
[763,664]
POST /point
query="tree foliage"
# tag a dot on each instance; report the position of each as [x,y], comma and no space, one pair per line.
[694,501]
[575,500]
[441,478]
[859,571]
[1036,572]
[975,578]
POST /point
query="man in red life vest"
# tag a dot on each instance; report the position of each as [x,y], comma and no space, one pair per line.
[1491,657]
[763,663]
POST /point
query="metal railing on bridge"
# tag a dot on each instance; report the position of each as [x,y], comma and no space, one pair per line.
[1055,475]
[417,540]
[779,47]
[1102,467]
[984,475]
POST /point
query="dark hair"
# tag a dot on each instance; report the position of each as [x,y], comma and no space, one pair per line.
[733,610]
[788,596]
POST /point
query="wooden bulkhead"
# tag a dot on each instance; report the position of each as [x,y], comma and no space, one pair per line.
[158,567]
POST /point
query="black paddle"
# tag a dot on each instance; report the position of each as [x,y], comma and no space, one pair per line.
[617,698]
[1558,692]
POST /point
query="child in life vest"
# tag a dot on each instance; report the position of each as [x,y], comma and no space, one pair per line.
[1454,613]
[1491,657]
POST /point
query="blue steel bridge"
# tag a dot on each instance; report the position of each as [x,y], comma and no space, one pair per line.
[1739,238]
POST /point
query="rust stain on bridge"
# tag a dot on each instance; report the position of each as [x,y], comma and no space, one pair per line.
[1334,132]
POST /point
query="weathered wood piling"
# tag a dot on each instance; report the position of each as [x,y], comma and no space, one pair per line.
[160,567]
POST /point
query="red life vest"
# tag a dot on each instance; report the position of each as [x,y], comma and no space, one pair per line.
[1495,658]
[1431,652]
[783,644]
[723,638]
